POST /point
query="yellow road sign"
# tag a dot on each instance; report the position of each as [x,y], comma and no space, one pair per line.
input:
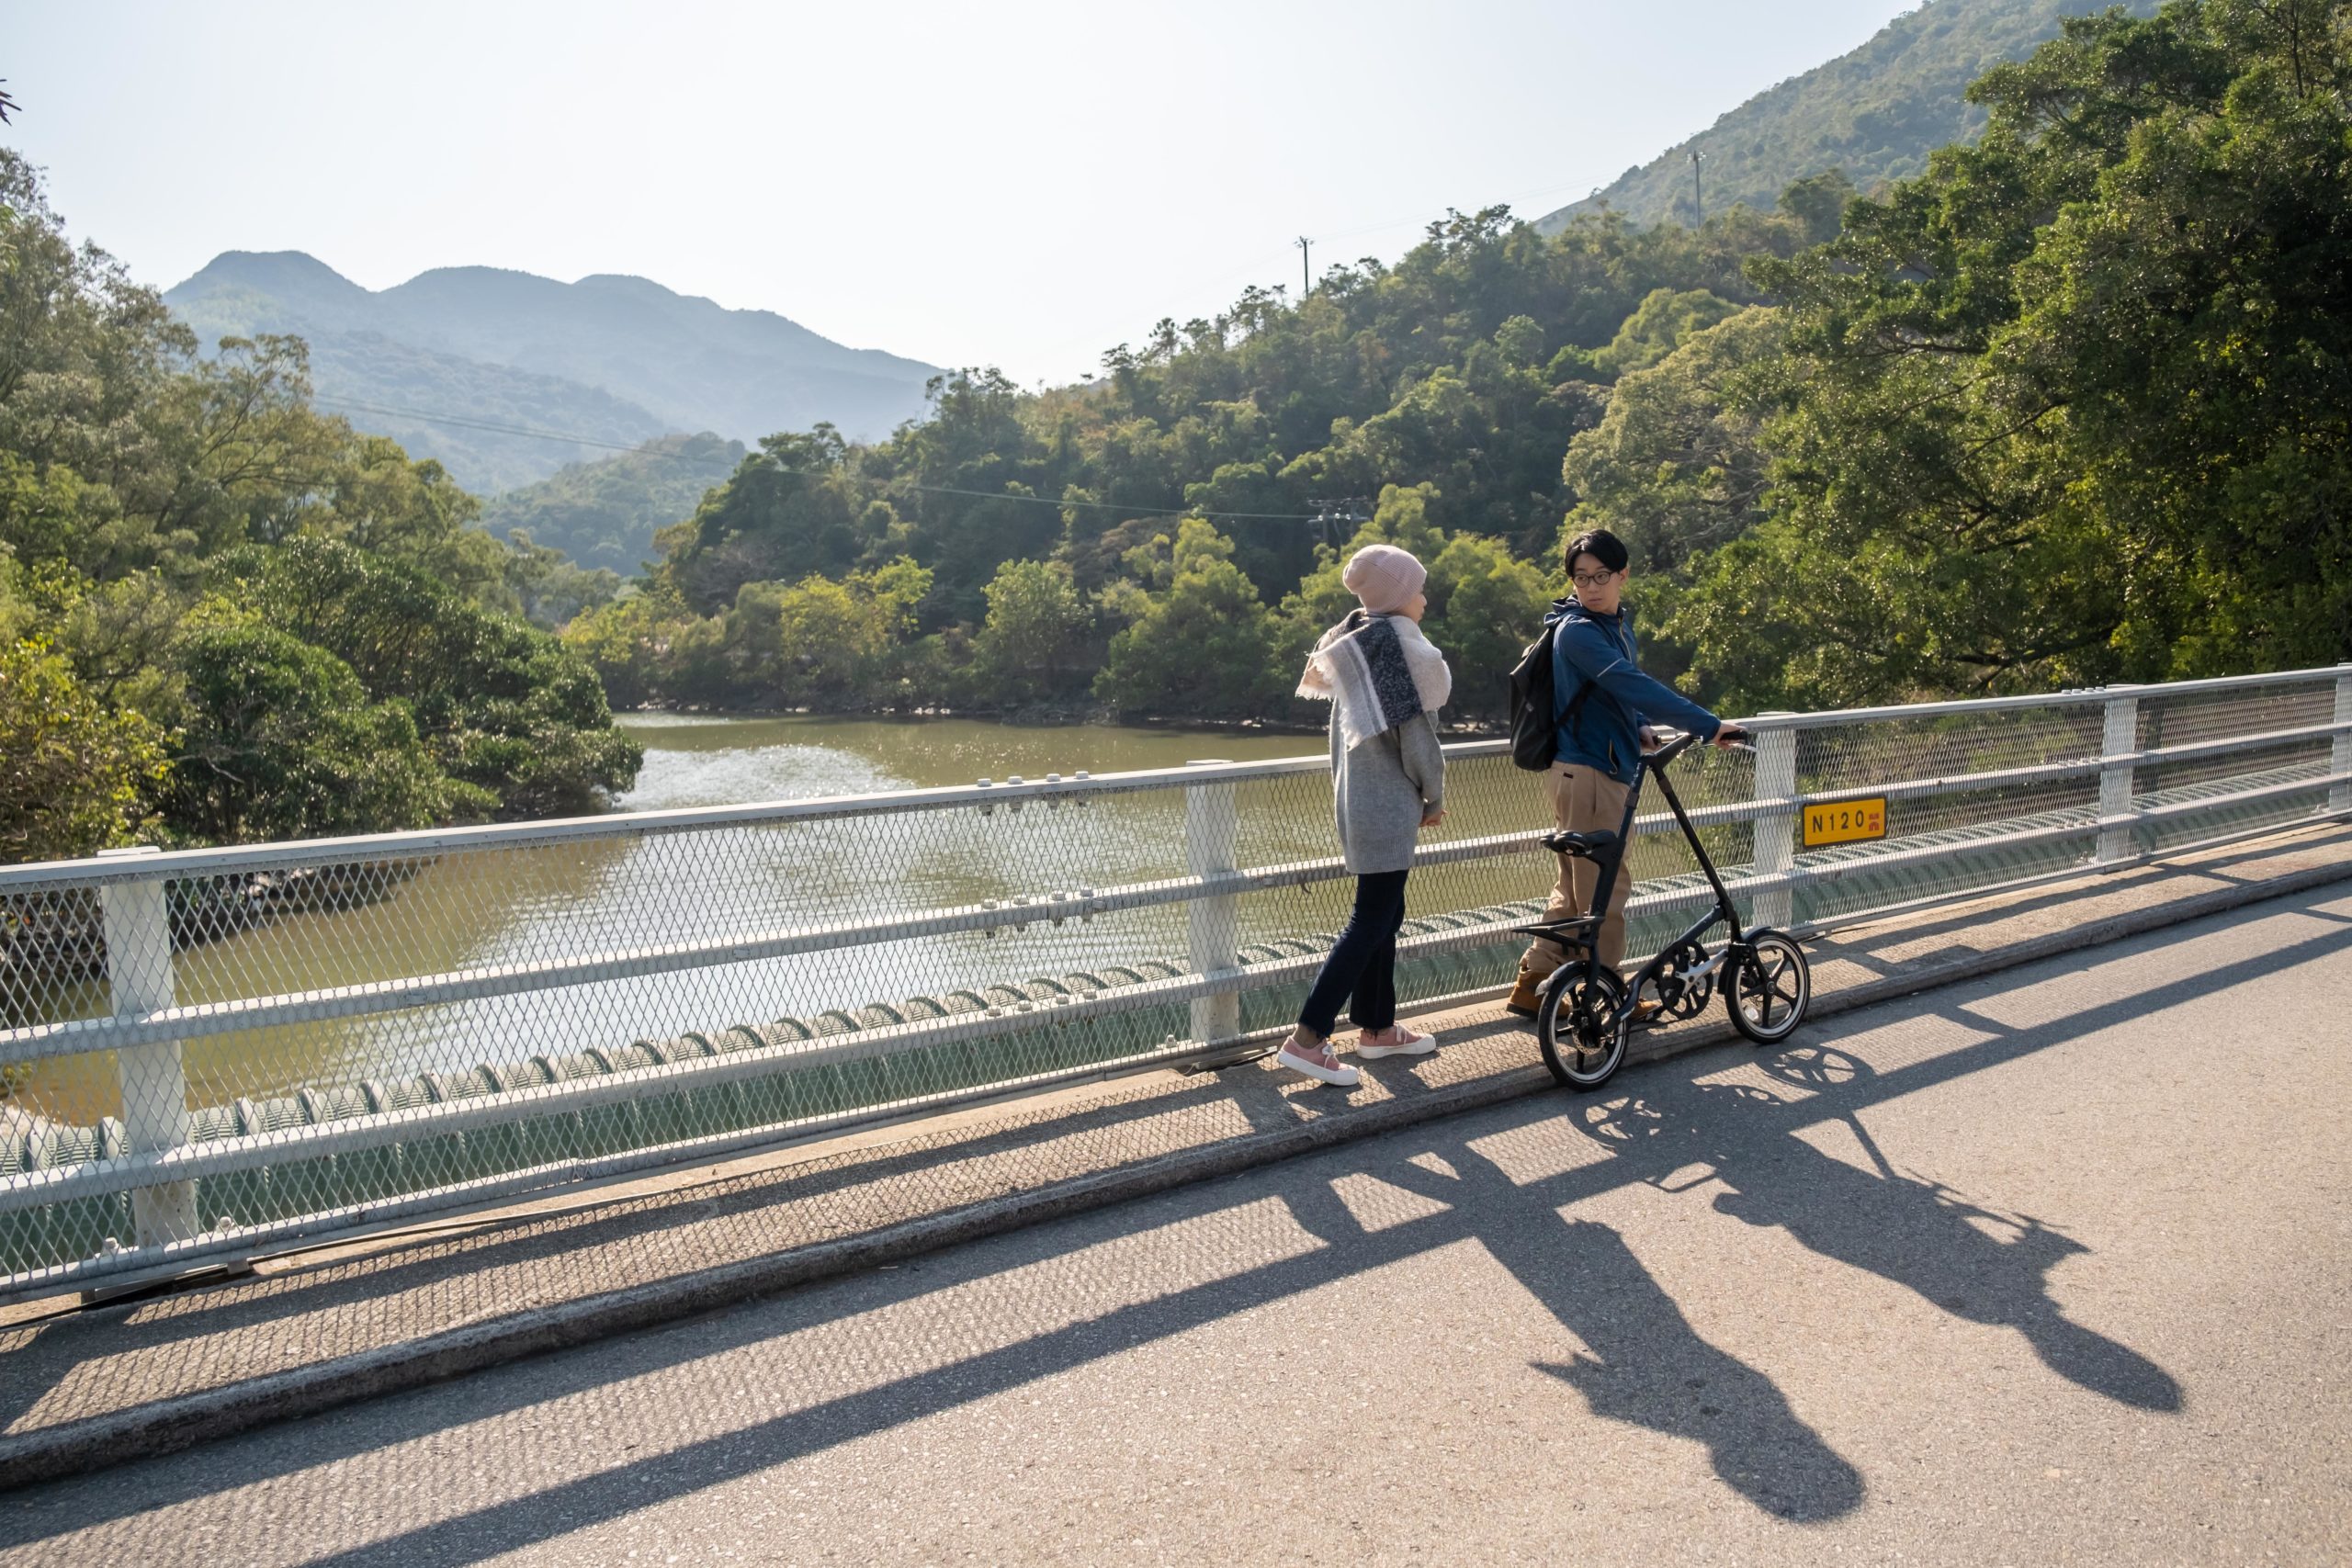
[1845,821]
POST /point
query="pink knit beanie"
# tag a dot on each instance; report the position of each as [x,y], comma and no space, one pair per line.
[1384,577]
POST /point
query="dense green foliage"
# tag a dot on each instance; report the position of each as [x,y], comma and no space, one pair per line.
[2075,406]
[226,616]
[74,775]
[1875,113]
[603,514]
[2070,406]
[1447,385]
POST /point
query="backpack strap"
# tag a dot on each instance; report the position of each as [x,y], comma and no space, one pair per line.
[1572,716]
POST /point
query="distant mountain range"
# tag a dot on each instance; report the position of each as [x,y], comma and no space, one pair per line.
[477,366]
[1875,113]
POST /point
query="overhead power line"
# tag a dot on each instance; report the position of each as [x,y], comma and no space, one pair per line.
[491,425]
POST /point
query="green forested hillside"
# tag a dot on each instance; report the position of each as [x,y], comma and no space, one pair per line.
[1162,541]
[2069,407]
[1875,113]
[2072,406]
[603,514]
[226,616]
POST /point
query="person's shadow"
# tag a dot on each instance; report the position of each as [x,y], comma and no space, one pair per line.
[1919,1235]
[1643,1362]
[1971,1261]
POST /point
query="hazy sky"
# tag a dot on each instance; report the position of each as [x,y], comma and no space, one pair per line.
[1021,184]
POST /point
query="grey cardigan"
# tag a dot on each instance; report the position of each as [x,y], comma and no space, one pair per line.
[1382,789]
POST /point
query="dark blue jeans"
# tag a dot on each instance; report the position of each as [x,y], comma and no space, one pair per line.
[1362,968]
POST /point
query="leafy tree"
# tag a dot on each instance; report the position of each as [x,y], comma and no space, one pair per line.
[502,706]
[2069,407]
[1818,201]
[819,643]
[790,510]
[1660,323]
[1485,605]
[1675,465]
[548,589]
[75,777]
[625,643]
[283,743]
[1036,627]
[1200,647]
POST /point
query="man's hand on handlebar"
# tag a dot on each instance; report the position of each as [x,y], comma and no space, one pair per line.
[1731,736]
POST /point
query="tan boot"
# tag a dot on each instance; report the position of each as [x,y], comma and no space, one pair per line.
[1525,994]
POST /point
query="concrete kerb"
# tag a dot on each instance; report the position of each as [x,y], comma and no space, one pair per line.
[166,1426]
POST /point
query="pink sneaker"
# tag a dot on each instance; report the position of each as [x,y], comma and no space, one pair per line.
[1316,1060]
[1394,1041]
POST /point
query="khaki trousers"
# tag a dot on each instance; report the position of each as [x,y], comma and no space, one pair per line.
[1584,800]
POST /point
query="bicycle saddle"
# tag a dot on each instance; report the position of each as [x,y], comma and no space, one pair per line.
[1585,845]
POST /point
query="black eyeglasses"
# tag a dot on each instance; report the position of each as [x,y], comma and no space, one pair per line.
[1593,578]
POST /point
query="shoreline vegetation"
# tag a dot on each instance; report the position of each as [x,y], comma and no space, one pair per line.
[2066,408]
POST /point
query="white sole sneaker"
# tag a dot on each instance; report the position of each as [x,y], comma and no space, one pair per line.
[1343,1075]
[1419,1045]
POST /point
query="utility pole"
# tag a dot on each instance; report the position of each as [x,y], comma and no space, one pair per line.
[1306,280]
[1698,194]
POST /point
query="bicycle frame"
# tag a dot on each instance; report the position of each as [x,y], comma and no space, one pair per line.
[1581,929]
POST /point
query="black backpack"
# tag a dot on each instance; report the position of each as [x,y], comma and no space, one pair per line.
[1536,717]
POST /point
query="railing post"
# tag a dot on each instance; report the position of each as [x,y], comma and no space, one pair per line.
[1775,826]
[2339,756]
[1212,831]
[2119,742]
[153,1080]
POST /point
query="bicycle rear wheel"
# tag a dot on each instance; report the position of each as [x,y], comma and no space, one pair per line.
[1580,1026]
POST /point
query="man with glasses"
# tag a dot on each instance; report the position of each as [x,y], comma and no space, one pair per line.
[1605,706]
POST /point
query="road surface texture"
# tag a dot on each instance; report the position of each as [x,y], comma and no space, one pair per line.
[2050,1266]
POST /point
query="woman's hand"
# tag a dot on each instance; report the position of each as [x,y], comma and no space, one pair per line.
[1433,818]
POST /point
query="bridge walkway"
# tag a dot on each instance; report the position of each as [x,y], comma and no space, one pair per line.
[311,1329]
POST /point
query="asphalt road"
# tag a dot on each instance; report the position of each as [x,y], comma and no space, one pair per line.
[2050,1267]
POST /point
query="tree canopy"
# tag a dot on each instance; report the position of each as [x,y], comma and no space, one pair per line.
[2074,406]
[224,615]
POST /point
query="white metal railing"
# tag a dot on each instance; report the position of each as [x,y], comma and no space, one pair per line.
[208,1024]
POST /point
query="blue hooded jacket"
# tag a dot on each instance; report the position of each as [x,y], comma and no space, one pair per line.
[1606,732]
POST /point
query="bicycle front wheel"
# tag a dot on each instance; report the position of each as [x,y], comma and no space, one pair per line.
[1580,1026]
[1767,987]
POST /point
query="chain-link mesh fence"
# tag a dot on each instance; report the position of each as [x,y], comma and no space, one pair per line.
[203,1050]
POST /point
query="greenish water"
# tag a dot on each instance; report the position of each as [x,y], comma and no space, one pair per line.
[697,760]
[466,911]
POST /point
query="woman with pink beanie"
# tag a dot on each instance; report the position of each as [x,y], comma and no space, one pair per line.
[1385,682]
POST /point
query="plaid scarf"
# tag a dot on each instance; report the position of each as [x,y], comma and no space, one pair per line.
[1376,671]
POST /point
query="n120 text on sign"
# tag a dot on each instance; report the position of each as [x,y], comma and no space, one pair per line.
[1845,821]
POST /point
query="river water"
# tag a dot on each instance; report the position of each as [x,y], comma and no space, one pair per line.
[693,760]
[470,911]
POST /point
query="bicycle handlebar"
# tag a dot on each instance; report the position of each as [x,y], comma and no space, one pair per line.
[1680,740]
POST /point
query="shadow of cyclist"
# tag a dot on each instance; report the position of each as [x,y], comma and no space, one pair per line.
[1973,1263]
